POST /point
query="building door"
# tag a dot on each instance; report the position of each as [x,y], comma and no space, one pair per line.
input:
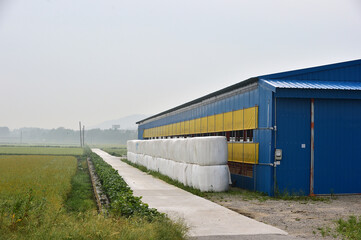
[337,167]
[293,137]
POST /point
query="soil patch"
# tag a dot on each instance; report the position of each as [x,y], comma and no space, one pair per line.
[302,218]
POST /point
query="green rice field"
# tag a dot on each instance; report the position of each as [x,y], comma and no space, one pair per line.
[38,150]
[50,197]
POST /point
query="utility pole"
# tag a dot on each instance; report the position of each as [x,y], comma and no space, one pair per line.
[81,142]
[83,136]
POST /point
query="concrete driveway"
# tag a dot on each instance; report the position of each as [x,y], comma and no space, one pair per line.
[206,219]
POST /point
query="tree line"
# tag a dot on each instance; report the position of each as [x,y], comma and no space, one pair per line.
[65,136]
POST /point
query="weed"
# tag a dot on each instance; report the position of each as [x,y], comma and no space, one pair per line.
[349,229]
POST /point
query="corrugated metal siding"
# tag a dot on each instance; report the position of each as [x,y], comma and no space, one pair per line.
[337,146]
[306,84]
[293,130]
[240,101]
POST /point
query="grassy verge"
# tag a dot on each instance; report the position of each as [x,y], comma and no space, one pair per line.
[81,197]
[116,151]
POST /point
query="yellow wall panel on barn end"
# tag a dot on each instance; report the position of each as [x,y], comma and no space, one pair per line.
[219,122]
[250,118]
[238,120]
[211,124]
[228,121]
[197,126]
[251,153]
[230,151]
[181,128]
[191,126]
[204,125]
[238,152]
[186,127]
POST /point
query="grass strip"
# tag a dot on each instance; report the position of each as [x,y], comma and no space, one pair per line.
[81,197]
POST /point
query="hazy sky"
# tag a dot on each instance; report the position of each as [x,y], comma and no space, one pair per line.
[62,61]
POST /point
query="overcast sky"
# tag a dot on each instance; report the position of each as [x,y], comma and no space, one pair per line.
[62,61]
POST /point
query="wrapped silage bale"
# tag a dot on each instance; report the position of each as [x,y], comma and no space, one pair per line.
[130,156]
[195,176]
[176,149]
[162,166]
[213,178]
[154,165]
[178,171]
[170,169]
[188,174]
[210,151]
[162,149]
[148,161]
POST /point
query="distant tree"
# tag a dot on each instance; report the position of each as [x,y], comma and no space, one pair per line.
[4,131]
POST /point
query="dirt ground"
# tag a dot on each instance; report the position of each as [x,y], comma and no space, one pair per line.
[300,218]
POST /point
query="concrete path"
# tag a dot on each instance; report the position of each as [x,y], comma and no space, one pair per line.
[206,220]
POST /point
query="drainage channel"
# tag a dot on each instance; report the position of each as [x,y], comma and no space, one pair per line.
[100,197]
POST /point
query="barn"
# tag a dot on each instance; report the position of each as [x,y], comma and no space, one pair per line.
[295,132]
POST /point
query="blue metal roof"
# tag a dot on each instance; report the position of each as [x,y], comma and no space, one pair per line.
[344,71]
[307,84]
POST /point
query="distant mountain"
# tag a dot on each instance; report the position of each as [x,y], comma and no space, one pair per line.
[124,123]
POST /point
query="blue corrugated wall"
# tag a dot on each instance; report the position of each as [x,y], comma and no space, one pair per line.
[337,146]
[293,130]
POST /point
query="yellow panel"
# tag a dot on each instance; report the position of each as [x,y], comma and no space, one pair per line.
[182,128]
[211,120]
[178,129]
[250,118]
[197,127]
[251,153]
[145,133]
[230,150]
[191,126]
[169,131]
[186,127]
[163,131]
[174,129]
[228,121]
[219,122]
[238,120]
[156,131]
[204,124]
[238,152]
